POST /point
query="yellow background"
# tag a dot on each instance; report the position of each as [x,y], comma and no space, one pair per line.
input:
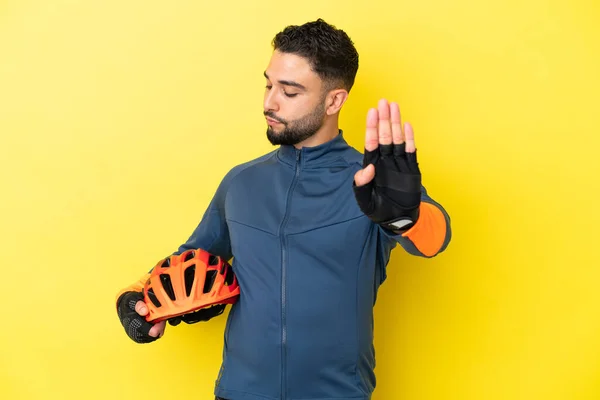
[119,118]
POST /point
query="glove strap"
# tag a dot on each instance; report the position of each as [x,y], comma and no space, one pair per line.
[401,224]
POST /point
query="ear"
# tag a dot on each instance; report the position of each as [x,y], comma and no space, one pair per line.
[335,100]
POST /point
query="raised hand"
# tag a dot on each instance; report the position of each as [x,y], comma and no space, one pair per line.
[388,188]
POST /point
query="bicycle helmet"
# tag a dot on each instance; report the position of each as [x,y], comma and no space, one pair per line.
[184,283]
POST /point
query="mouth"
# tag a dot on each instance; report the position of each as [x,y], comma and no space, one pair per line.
[272,122]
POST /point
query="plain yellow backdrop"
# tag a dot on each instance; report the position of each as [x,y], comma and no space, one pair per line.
[119,118]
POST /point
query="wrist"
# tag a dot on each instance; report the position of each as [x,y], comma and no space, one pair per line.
[402,224]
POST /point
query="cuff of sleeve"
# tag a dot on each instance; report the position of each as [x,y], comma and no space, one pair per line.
[429,232]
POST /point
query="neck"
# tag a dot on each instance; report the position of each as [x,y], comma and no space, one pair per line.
[327,132]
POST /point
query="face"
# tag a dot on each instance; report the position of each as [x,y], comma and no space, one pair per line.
[294,102]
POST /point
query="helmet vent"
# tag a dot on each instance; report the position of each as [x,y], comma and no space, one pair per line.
[229,277]
[188,276]
[213,260]
[153,298]
[190,255]
[210,280]
[166,263]
[165,279]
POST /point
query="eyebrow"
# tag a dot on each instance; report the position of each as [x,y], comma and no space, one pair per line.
[288,83]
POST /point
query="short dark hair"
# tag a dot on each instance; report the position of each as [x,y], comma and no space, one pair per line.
[329,51]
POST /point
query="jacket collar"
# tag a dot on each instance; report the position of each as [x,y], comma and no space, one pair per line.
[317,155]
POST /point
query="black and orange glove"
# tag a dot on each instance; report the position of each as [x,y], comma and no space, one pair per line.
[393,197]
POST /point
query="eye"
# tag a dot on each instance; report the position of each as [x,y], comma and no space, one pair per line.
[269,87]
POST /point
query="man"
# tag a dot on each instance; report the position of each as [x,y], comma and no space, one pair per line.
[310,227]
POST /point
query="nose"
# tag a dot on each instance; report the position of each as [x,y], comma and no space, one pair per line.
[270,101]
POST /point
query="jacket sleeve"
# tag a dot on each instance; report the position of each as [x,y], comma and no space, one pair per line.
[429,236]
[211,234]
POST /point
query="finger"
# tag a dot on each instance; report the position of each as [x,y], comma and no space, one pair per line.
[365,175]
[372,138]
[140,308]
[412,163]
[157,329]
[410,138]
[385,129]
[397,135]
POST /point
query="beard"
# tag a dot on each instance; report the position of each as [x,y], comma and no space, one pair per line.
[296,131]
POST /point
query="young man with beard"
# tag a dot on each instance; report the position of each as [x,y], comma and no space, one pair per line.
[310,227]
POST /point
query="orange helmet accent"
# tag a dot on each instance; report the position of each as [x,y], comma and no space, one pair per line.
[183,283]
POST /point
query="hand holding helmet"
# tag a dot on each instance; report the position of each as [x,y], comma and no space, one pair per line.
[191,287]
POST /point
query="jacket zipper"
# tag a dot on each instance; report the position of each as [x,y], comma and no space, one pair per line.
[283,279]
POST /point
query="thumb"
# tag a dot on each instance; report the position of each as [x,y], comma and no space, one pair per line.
[365,175]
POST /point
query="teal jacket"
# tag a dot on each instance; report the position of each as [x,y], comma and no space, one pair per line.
[309,264]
